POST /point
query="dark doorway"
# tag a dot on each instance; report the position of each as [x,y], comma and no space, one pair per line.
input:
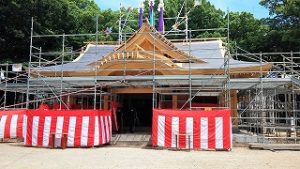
[141,104]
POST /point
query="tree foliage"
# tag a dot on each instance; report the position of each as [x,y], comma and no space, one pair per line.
[284,25]
[281,32]
[50,17]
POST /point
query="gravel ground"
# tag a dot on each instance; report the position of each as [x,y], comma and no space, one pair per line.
[19,157]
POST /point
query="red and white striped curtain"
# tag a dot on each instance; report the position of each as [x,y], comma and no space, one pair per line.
[11,124]
[83,128]
[200,130]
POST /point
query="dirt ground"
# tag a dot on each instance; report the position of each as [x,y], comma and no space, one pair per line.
[19,157]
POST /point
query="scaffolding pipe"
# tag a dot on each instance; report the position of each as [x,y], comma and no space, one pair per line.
[153,77]
[100,98]
[294,121]
[190,73]
[120,24]
[228,104]
[5,92]
[96,67]
[61,73]
[186,22]
[40,56]
[29,65]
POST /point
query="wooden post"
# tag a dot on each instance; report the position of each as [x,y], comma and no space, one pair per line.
[222,100]
[106,102]
[64,140]
[68,101]
[174,102]
[233,106]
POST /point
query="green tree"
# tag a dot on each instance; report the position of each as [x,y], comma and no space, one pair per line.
[281,32]
[206,16]
[284,24]
[50,17]
[248,32]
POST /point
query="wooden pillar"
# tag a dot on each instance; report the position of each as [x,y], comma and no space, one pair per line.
[106,100]
[174,102]
[233,106]
[222,100]
[72,100]
[69,101]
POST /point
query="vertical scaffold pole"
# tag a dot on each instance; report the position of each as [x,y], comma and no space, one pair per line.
[228,26]
[5,92]
[124,53]
[190,73]
[40,56]
[186,22]
[120,24]
[95,78]
[293,63]
[100,97]
[153,77]
[226,84]
[29,65]
[294,119]
[16,95]
[62,72]
[228,61]
[262,102]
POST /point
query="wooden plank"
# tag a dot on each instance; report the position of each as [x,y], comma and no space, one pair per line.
[259,146]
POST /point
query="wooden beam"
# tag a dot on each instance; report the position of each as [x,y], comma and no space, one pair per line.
[165,69]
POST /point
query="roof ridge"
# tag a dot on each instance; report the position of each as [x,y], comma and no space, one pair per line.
[163,38]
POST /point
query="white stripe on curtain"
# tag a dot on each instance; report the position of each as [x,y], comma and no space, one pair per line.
[161,131]
[47,127]
[204,133]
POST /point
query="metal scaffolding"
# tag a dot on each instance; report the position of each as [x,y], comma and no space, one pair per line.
[267,106]
[272,111]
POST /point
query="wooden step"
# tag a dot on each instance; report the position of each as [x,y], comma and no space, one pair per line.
[131,139]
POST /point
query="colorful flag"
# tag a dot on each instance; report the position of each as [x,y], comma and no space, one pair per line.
[141,13]
[161,26]
[151,13]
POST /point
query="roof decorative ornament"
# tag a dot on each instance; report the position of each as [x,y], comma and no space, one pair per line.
[141,13]
[161,5]
[151,12]
[161,24]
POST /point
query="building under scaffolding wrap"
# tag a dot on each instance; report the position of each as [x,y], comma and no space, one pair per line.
[150,71]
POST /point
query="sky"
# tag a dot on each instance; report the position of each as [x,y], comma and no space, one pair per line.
[251,6]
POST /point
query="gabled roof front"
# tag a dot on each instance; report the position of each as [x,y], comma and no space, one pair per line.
[149,42]
[146,50]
